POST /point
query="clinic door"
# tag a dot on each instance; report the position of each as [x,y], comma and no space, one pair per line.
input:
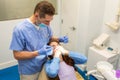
[70,19]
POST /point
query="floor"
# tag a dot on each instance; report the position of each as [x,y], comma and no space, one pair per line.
[10,73]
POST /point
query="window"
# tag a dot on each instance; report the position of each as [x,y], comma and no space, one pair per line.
[16,9]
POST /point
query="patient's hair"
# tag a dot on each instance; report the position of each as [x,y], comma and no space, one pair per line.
[68,60]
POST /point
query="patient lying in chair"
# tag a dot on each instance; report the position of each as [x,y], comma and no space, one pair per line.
[60,66]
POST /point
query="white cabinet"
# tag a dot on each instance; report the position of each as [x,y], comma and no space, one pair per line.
[95,55]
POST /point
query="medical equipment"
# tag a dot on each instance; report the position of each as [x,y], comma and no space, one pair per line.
[104,71]
[95,55]
[115,25]
[101,41]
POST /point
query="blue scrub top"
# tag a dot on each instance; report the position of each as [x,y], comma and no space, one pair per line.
[26,37]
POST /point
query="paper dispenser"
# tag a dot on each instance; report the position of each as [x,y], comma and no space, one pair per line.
[100,42]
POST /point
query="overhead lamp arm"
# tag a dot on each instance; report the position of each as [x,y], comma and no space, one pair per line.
[115,25]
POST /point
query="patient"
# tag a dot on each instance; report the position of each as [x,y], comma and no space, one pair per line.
[60,66]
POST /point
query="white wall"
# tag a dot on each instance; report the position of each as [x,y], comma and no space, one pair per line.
[5,37]
[90,23]
[93,16]
[6,28]
[111,9]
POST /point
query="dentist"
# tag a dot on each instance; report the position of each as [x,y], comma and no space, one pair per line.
[29,41]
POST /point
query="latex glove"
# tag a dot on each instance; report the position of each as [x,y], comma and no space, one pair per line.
[63,39]
[57,53]
[46,50]
[63,51]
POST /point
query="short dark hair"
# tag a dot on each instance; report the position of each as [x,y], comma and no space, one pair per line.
[43,8]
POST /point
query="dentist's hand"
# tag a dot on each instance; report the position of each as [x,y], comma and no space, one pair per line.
[63,39]
[45,50]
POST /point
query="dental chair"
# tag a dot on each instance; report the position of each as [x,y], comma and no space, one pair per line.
[83,73]
[104,71]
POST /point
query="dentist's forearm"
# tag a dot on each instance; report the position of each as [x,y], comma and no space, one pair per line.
[21,55]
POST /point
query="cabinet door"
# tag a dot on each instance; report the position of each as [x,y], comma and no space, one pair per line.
[69,14]
[94,56]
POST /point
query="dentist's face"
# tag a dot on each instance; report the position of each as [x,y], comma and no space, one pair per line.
[45,20]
